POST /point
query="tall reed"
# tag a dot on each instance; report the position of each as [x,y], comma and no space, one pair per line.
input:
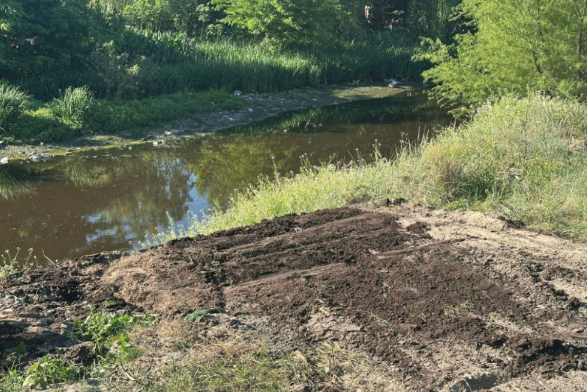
[73,107]
[143,64]
[12,103]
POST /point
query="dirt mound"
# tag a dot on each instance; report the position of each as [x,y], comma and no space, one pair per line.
[446,301]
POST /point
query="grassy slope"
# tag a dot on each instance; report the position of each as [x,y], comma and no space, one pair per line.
[522,159]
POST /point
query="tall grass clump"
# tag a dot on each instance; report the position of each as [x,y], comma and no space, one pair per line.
[12,103]
[73,106]
[524,159]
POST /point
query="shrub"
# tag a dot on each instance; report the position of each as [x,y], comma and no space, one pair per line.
[73,107]
[12,103]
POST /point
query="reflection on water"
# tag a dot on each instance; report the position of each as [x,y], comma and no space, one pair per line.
[83,204]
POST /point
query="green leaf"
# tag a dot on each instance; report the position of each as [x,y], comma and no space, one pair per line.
[20,349]
[194,316]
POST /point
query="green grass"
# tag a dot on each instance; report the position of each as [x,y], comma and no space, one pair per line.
[142,64]
[45,123]
[146,78]
[12,103]
[517,158]
[73,106]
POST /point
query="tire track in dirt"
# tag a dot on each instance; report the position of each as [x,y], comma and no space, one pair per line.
[444,301]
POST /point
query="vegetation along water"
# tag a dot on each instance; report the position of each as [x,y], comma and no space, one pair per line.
[513,72]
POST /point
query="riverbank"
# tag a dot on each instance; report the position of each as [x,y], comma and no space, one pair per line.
[368,297]
[211,111]
[441,298]
[522,159]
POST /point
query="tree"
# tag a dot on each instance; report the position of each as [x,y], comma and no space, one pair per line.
[285,23]
[519,45]
[43,35]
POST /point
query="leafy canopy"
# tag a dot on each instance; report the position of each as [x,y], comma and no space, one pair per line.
[41,35]
[519,45]
[285,23]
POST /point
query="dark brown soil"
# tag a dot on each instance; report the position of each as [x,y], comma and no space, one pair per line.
[443,306]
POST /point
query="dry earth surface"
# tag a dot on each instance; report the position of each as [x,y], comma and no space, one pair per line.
[435,300]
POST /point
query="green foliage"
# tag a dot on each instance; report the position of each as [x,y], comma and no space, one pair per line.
[11,381]
[39,125]
[113,116]
[11,263]
[44,124]
[44,35]
[101,328]
[20,349]
[73,107]
[190,17]
[519,46]
[49,371]
[432,18]
[12,103]
[522,159]
[285,23]
[194,316]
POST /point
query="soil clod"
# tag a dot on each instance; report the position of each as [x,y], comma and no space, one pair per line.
[401,284]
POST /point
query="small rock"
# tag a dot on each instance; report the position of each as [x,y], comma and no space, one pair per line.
[45,321]
[250,110]
[574,303]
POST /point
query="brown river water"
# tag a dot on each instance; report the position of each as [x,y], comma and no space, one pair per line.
[110,199]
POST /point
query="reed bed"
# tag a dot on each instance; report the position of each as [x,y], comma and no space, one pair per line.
[143,64]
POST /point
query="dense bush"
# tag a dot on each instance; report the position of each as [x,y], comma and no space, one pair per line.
[518,46]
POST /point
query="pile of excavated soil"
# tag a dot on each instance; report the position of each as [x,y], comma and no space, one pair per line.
[443,301]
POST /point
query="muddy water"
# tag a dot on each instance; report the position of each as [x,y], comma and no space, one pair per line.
[108,200]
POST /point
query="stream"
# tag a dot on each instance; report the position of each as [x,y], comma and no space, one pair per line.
[109,199]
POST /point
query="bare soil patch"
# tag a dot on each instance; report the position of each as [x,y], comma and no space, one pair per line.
[440,301]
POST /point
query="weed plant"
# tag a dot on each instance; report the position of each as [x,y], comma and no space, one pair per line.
[11,263]
[110,346]
[12,103]
[49,371]
[73,107]
[523,159]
